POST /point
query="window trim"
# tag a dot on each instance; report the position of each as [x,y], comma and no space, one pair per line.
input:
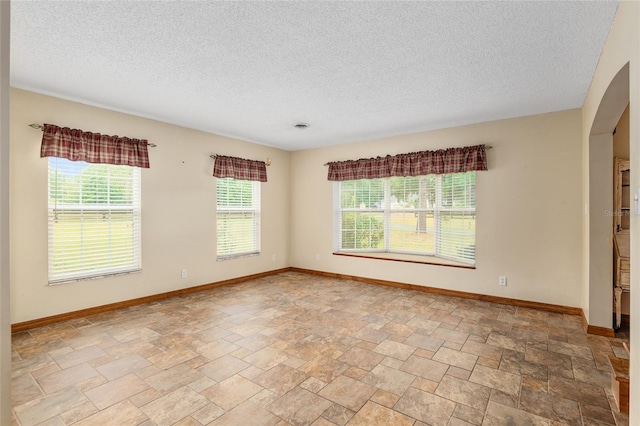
[136,212]
[257,219]
[407,258]
[387,253]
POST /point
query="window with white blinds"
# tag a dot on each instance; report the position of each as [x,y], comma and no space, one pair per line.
[237,218]
[431,215]
[94,220]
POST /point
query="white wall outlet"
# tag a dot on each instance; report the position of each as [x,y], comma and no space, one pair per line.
[273,257]
[502,280]
[183,274]
[317,258]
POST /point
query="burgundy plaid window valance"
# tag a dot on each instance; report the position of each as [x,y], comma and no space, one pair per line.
[78,145]
[442,161]
[239,168]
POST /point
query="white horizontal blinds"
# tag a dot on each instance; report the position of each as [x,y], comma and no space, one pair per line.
[94,220]
[238,217]
[426,215]
[411,214]
[362,204]
[456,216]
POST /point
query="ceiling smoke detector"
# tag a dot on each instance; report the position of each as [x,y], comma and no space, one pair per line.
[301,125]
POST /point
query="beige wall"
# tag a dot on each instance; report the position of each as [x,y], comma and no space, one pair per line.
[528,209]
[178,209]
[622,47]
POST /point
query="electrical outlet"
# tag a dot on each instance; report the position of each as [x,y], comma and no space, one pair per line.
[273,257]
[183,273]
[317,258]
[502,281]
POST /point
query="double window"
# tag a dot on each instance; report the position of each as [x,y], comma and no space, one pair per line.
[238,217]
[431,215]
[94,220]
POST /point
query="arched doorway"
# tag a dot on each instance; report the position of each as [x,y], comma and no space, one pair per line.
[600,200]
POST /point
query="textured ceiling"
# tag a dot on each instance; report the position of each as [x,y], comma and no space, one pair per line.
[352,70]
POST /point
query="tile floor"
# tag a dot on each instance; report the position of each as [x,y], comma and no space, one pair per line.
[305,350]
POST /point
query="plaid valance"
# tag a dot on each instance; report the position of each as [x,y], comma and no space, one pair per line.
[442,161]
[239,168]
[78,145]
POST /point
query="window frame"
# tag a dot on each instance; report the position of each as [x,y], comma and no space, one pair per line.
[54,209]
[437,210]
[254,210]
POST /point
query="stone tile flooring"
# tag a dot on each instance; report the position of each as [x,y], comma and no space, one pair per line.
[305,350]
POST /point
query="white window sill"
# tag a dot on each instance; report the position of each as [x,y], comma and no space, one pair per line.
[94,277]
[236,256]
[408,258]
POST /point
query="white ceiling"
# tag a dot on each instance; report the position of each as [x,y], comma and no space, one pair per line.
[352,70]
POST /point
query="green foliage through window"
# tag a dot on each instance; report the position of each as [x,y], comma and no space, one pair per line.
[77,182]
[238,217]
[362,231]
[430,215]
[94,219]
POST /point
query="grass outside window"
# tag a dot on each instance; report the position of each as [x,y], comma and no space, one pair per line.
[422,215]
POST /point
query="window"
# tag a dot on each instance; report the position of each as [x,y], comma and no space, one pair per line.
[94,220]
[426,215]
[238,217]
